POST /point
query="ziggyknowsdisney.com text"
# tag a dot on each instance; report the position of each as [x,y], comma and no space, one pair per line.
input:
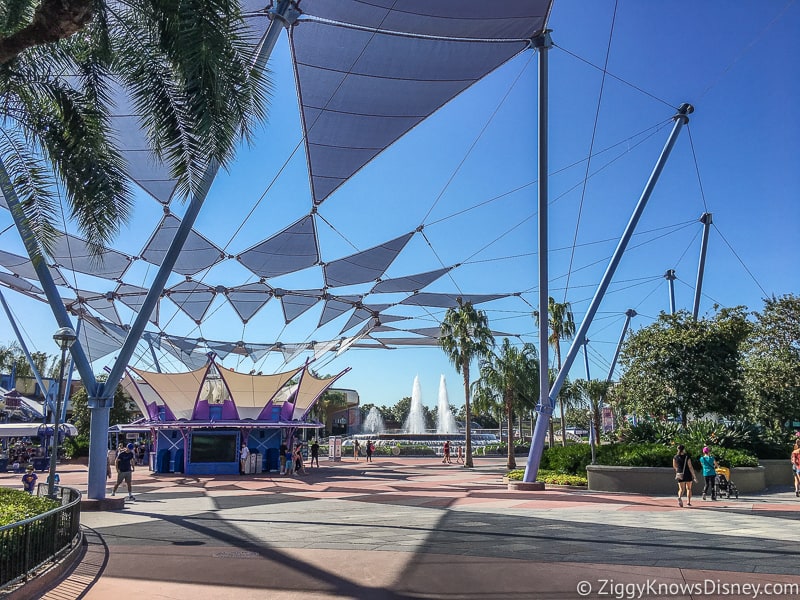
[609,588]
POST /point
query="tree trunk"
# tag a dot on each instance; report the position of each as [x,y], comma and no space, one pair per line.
[53,20]
[468,413]
[511,463]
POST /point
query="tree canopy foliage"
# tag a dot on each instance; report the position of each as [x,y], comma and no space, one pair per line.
[679,365]
[123,411]
[772,363]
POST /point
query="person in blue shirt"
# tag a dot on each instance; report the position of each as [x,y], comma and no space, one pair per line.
[29,480]
[709,463]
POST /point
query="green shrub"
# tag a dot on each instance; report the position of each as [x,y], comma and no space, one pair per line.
[658,432]
[76,447]
[751,439]
[570,460]
[16,505]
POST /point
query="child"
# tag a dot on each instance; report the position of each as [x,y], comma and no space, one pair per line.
[29,480]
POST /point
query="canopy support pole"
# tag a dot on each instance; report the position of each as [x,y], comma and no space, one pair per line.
[24,347]
[537,444]
[706,220]
[670,277]
[544,408]
[586,358]
[71,370]
[629,314]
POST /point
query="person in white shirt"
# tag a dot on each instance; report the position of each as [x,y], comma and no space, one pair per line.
[243,456]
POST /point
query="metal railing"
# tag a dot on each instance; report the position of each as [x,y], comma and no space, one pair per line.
[29,545]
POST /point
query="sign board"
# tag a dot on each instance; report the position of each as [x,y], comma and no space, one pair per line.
[608,419]
[334,448]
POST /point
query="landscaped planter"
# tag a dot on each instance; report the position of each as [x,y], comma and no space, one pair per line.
[661,480]
[777,471]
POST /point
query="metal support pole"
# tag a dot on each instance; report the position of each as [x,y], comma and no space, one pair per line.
[21,341]
[681,118]
[544,408]
[64,337]
[586,359]
[670,277]
[629,314]
[706,220]
[70,370]
[153,354]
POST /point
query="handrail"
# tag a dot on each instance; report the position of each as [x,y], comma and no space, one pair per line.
[28,545]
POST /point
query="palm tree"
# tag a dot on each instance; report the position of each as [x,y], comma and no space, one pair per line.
[508,382]
[186,67]
[331,400]
[465,336]
[594,391]
[562,327]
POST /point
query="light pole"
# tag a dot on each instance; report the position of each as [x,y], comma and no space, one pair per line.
[64,337]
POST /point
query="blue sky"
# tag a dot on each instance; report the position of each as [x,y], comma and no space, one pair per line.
[468,175]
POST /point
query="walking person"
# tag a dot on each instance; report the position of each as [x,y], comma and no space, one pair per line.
[708,462]
[795,458]
[314,453]
[460,455]
[370,450]
[125,467]
[298,460]
[356,449]
[29,480]
[446,452]
[684,475]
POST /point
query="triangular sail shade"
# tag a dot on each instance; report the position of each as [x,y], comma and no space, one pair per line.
[198,253]
[409,283]
[337,306]
[248,299]
[394,64]
[448,300]
[293,249]
[72,253]
[192,297]
[364,266]
[23,267]
[133,297]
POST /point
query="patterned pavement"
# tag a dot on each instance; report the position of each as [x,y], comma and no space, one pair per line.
[415,528]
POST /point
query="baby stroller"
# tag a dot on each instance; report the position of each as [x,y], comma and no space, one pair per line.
[724,485]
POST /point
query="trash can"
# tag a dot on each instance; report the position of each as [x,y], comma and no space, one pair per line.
[253,463]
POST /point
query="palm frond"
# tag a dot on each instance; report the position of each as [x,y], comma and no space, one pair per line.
[32,183]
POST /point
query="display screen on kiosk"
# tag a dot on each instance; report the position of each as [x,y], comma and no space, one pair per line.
[213,448]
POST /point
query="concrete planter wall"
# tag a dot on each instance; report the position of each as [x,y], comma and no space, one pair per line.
[661,480]
[777,472]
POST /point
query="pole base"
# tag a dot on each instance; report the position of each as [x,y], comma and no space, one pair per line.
[525,486]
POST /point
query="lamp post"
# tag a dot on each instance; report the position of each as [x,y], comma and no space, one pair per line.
[64,337]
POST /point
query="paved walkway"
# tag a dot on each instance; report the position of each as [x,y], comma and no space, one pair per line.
[415,528]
